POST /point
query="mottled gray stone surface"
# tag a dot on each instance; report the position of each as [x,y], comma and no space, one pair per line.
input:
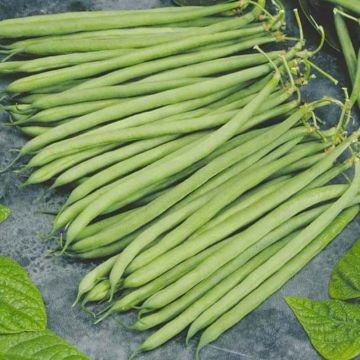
[270,332]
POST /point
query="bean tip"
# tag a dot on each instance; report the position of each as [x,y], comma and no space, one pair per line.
[135,353]
[77,299]
[188,338]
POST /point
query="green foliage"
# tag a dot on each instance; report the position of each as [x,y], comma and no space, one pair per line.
[21,304]
[23,320]
[345,279]
[332,326]
[38,345]
[4,213]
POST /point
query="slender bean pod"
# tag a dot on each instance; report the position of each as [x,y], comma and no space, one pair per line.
[114,113]
[172,239]
[135,297]
[108,92]
[346,44]
[227,227]
[108,158]
[153,52]
[233,272]
[53,62]
[68,25]
[212,169]
[180,127]
[48,171]
[157,172]
[304,254]
[234,188]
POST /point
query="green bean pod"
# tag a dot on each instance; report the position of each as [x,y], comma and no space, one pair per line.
[109,33]
[174,62]
[53,62]
[346,44]
[108,92]
[70,111]
[118,136]
[68,25]
[301,164]
[277,280]
[10,67]
[115,113]
[159,171]
[234,188]
[89,14]
[154,52]
[227,227]
[135,297]
[213,168]
[93,277]
[50,170]
[34,131]
[99,292]
[104,223]
[109,158]
[67,46]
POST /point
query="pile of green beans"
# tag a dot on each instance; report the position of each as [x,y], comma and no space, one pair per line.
[196,177]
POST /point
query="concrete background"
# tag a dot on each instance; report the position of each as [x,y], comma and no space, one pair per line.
[270,332]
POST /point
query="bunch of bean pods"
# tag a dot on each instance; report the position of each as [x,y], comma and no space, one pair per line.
[199,181]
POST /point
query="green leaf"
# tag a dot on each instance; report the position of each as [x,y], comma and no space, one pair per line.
[345,279]
[39,345]
[21,304]
[4,213]
[332,326]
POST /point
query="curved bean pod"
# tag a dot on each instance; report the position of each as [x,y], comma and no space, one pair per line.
[277,280]
[202,295]
[126,166]
[153,52]
[48,171]
[108,92]
[108,158]
[184,126]
[68,25]
[174,62]
[53,62]
[114,113]
[157,172]
[135,297]
[212,169]
[252,233]
[234,188]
